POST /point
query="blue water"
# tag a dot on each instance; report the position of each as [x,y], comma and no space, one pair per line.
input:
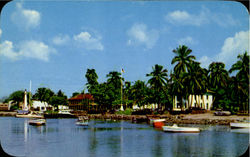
[62,138]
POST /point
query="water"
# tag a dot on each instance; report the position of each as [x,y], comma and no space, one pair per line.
[62,138]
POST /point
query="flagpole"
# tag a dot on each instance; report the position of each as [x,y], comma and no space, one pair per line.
[121,91]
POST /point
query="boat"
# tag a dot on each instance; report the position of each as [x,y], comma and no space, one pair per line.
[37,122]
[240,125]
[222,113]
[29,115]
[82,121]
[158,123]
[176,129]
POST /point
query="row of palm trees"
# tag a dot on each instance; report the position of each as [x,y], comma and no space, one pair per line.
[187,77]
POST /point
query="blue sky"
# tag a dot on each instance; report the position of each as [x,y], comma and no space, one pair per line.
[53,43]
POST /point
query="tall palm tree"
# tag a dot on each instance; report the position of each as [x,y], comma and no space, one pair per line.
[218,75]
[138,92]
[218,82]
[157,81]
[183,59]
[158,77]
[195,80]
[242,76]
[91,77]
[114,78]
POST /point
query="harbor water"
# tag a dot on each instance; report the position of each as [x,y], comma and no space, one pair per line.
[62,138]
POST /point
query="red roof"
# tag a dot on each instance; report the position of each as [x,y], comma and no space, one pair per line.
[82,96]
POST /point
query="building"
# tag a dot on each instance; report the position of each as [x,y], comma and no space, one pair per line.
[81,102]
[40,106]
[194,101]
[5,106]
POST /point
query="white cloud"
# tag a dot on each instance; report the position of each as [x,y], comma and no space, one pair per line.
[26,49]
[185,18]
[25,18]
[61,39]
[7,50]
[187,41]
[140,35]
[88,41]
[204,17]
[232,47]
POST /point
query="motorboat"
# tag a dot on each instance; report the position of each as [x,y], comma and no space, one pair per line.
[240,125]
[37,122]
[176,129]
[158,123]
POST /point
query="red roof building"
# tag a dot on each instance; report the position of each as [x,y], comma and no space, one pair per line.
[81,102]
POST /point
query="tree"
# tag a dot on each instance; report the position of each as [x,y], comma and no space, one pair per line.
[157,82]
[43,94]
[218,81]
[195,81]
[183,59]
[16,97]
[138,91]
[91,77]
[242,77]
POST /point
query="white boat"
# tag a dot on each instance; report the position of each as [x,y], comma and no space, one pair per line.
[240,125]
[37,122]
[176,129]
[82,123]
[29,115]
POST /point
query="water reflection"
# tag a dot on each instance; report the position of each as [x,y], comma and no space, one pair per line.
[61,137]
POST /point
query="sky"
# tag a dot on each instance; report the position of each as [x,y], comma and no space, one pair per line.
[52,43]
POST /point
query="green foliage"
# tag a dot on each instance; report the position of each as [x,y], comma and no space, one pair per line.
[43,94]
[128,111]
[16,97]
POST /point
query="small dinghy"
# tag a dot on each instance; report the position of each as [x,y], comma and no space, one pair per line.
[82,121]
[176,129]
[158,123]
[37,122]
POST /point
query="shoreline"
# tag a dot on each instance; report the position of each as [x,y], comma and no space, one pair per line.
[203,118]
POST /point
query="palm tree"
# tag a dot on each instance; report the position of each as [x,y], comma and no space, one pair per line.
[218,75]
[242,67]
[43,94]
[157,81]
[138,91]
[183,59]
[91,79]
[195,80]
[218,81]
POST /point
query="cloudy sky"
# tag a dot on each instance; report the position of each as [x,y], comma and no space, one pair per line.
[53,43]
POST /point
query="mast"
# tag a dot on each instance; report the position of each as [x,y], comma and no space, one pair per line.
[122,71]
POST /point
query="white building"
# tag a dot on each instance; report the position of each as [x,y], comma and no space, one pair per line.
[150,106]
[41,106]
[198,101]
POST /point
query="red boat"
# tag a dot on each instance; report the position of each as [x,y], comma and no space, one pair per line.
[158,123]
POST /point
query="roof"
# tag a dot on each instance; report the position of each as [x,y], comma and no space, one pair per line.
[82,96]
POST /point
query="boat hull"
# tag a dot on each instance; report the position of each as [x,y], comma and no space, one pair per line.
[239,125]
[157,123]
[174,129]
[28,116]
[38,122]
[82,123]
